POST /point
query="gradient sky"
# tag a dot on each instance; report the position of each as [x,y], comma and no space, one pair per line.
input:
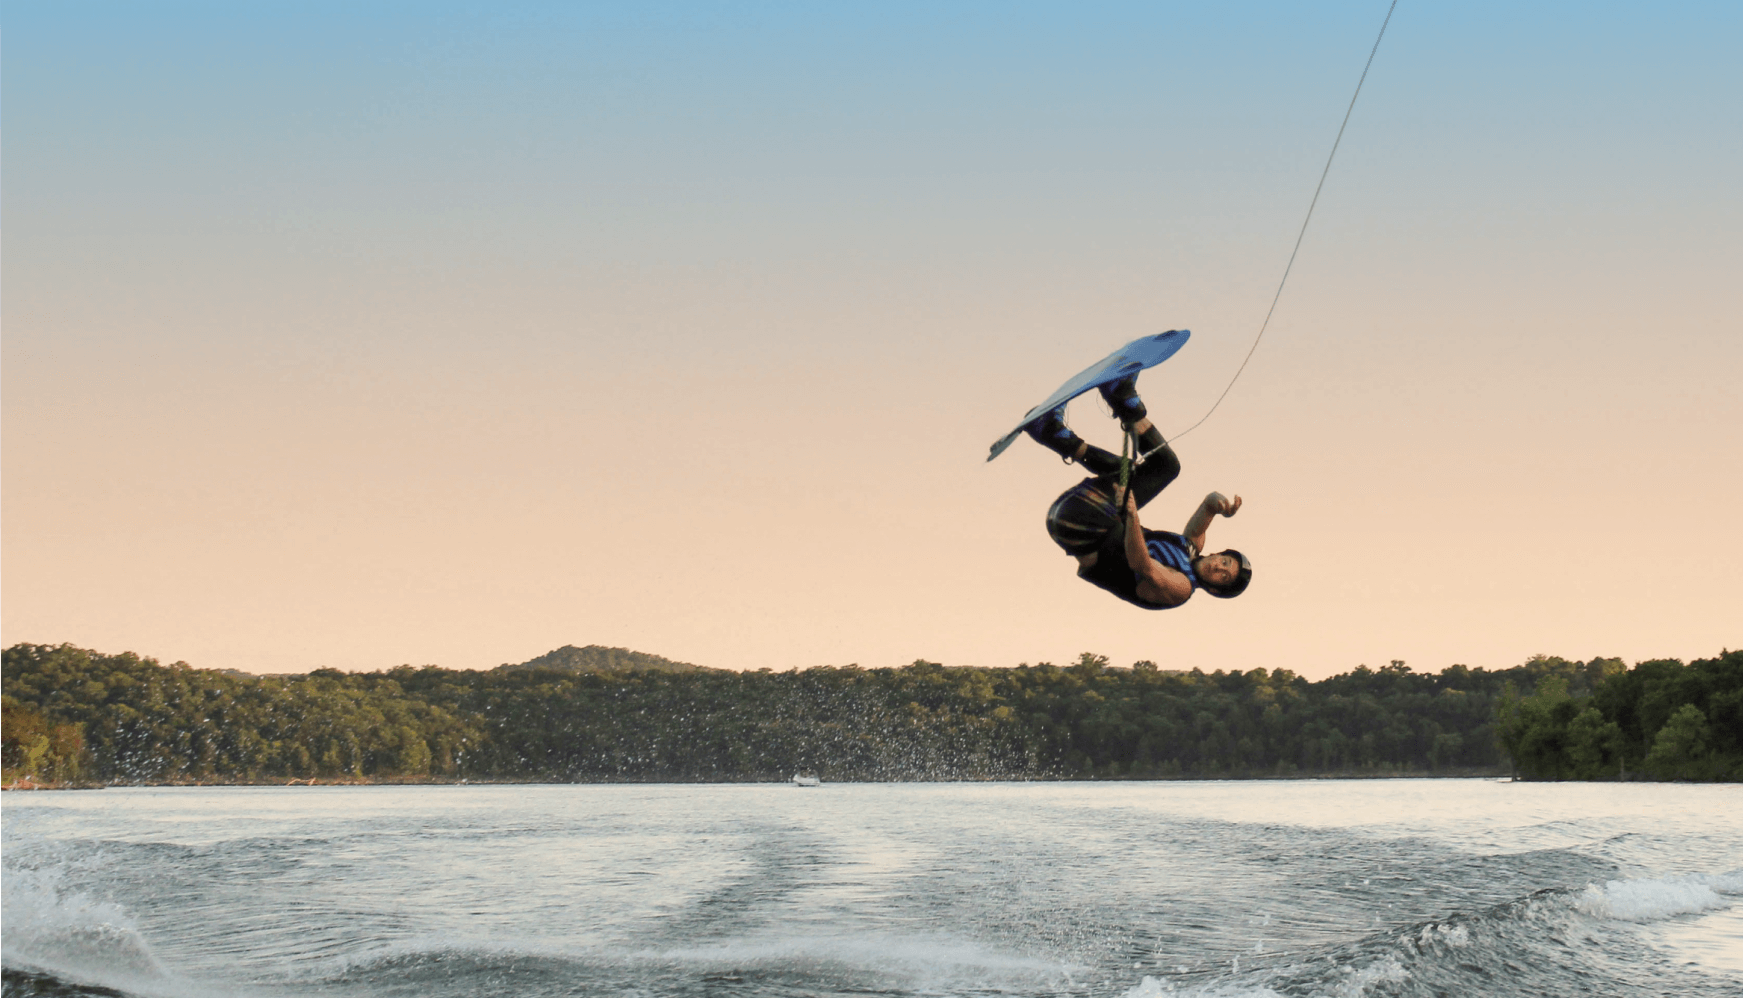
[359,334]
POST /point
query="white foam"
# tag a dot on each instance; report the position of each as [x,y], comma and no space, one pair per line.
[71,934]
[1354,983]
[1387,971]
[1455,936]
[922,962]
[1653,900]
[1150,987]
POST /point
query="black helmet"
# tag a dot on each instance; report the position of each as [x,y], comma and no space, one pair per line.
[1236,587]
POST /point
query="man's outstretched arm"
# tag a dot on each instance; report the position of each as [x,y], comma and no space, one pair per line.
[1214,504]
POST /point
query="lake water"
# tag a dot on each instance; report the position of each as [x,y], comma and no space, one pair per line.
[1336,888]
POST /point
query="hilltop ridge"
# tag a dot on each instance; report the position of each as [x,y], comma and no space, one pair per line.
[598,658]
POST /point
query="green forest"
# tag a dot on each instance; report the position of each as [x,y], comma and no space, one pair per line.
[75,716]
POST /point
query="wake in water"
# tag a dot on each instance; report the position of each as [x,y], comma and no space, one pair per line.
[1554,942]
[1551,943]
[1135,891]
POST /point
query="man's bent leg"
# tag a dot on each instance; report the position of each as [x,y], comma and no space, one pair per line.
[1052,433]
[1122,397]
[1160,467]
[1083,515]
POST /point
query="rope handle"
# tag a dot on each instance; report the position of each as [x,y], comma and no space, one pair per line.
[1128,453]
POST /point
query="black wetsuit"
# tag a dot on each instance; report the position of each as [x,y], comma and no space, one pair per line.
[1086,519]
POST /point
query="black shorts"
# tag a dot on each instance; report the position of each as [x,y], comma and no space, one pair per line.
[1086,513]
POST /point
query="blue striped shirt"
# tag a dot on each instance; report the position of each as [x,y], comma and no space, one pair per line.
[1173,551]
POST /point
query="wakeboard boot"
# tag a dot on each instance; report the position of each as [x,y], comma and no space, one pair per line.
[1122,397]
[1051,432]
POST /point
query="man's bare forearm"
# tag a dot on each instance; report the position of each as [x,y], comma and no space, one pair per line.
[1199,523]
[1137,552]
[1213,505]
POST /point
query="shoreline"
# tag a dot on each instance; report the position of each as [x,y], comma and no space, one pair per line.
[26,784]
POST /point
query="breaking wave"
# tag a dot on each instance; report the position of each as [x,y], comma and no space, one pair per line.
[1652,900]
[1550,943]
[59,941]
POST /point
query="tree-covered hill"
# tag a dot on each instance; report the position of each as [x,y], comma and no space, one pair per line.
[74,714]
[598,658]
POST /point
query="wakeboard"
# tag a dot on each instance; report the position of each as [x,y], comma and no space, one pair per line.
[1135,356]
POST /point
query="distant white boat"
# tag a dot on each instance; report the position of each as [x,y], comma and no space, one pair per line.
[805,780]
